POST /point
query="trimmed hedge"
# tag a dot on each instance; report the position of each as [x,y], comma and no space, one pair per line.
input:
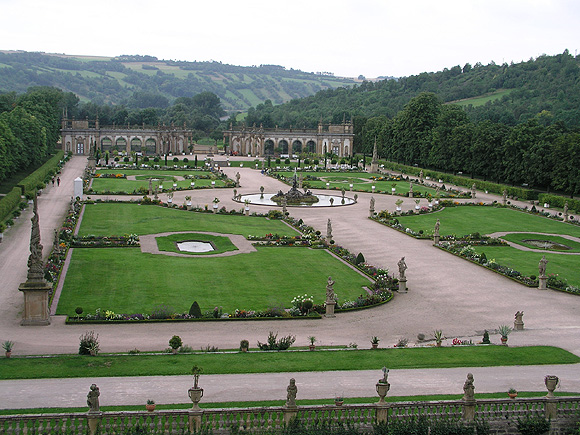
[9,203]
[512,191]
[42,174]
[558,201]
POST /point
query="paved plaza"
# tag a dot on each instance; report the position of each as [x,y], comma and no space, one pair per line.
[445,292]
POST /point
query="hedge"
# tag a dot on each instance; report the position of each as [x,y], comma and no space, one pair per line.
[42,174]
[9,203]
[512,191]
[558,201]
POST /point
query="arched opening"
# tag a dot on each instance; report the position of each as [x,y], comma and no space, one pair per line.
[311,146]
[283,146]
[150,146]
[121,144]
[269,147]
[296,147]
[106,144]
[136,144]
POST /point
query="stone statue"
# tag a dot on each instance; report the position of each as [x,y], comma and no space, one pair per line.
[473,190]
[469,389]
[372,207]
[411,187]
[291,396]
[402,268]
[329,230]
[519,316]
[330,296]
[35,266]
[437,225]
[542,266]
[421,176]
[93,398]
[437,190]
[237,179]
[566,211]
[519,322]
[504,197]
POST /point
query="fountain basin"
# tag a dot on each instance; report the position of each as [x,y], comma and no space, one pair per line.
[323,200]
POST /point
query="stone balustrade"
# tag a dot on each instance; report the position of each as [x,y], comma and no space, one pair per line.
[500,414]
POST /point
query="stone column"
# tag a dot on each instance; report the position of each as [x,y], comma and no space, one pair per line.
[551,383]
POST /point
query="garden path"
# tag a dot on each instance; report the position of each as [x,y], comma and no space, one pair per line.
[149,244]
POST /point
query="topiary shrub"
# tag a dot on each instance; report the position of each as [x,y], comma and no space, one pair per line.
[175,342]
[195,310]
[79,310]
[126,159]
[185,160]
[360,258]
[175,159]
[485,339]
[287,161]
[145,159]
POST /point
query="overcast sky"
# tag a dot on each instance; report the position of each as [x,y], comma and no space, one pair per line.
[346,37]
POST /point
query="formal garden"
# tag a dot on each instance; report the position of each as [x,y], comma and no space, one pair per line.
[463,230]
[278,278]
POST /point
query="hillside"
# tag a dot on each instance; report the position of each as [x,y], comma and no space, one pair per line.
[546,87]
[104,80]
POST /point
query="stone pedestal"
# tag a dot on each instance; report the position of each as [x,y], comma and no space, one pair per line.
[330,309]
[403,285]
[94,420]
[195,421]
[436,240]
[247,211]
[36,310]
[92,163]
[543,283]
[518,325]
[290,413]
[374,167]
[410,194]
[469,410]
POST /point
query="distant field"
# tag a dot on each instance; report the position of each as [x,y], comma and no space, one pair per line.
[481,100]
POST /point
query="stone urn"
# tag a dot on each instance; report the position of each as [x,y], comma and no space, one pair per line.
[195,394]
[551,382]
[382,390]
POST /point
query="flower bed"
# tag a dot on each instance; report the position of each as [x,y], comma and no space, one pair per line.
[128,240]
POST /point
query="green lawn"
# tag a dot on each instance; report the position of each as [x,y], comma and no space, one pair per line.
[106,219]
[125,280]
[361,181]
[220,243]
[141,184]
[520,237]
[566,266]
[71,366]
[486,220]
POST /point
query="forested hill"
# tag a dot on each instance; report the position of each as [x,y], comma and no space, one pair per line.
[547,87]
[144,81]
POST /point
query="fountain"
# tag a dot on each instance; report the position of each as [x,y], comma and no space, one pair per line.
[294,196]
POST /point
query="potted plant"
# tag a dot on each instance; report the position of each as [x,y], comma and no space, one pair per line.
[438,334]
[512,393]
[312,339]
[374,342]
[175,343]
[338,400]
[244,345]
[504,331]
[150,406]
[399,202]
[7,346]
[195,393]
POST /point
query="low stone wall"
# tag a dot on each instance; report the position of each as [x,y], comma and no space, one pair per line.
[500,414]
